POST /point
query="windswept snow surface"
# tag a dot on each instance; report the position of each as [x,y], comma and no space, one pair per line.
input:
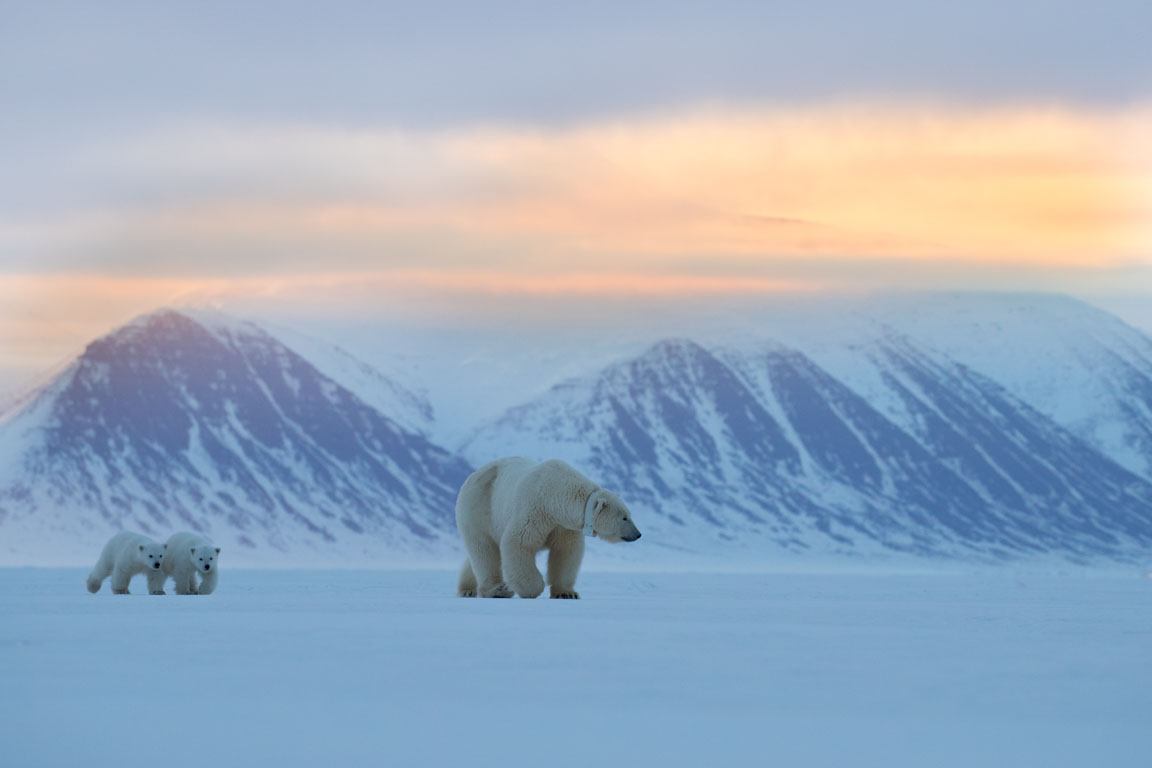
[306,668]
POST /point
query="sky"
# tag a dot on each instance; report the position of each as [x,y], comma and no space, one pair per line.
[377,157]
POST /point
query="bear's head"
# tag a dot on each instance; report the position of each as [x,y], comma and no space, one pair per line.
[151,555]
[204,558]
[613,521]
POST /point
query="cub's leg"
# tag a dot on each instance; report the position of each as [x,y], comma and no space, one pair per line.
[156,581]
[208,583]
[564,557]
[185,582]
[120,579]
[102,571]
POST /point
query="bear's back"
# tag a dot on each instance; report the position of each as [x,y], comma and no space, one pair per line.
[123,544]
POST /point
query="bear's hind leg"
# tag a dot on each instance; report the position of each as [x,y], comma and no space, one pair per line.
[520,572]
[120,579]
[466,585]
[102,571]
[484,556]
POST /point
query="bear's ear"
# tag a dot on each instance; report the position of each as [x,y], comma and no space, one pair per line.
[165,546]
[193,550]
[217,550]
[141,547]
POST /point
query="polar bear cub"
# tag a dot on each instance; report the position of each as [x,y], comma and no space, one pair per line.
[125,555]
[189,554]
[512,508]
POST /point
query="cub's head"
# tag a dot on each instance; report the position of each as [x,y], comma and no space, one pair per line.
[152,554]
[204,558]
[613,521]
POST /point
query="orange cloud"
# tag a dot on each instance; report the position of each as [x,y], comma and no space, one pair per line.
[1040,187]
[721,202]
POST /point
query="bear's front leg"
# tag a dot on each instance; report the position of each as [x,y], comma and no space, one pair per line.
[208,583]
[156,581]
[564,558]
[519,564]
[185,583]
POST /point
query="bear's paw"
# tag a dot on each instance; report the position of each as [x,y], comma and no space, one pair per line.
[500,590]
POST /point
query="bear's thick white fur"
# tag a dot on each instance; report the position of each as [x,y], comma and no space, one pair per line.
[512,508]
[189,554]
[125,555]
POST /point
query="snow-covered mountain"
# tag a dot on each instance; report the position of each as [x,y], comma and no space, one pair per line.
[176,423]
[402,404]
[968,426]
[767,446]
[1083,367]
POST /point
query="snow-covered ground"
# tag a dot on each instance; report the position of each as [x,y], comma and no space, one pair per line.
[342,668]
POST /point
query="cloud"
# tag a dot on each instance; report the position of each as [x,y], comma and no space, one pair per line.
[780,196]
[1001,184]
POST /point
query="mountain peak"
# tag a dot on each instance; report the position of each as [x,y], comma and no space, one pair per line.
[165,423]
[152,326]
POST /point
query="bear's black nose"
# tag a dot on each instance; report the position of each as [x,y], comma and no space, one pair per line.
[155,565]
[207,567]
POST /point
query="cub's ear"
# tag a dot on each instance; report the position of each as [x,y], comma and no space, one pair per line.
[193,550]
[217,550]
[165,546]
[141,547]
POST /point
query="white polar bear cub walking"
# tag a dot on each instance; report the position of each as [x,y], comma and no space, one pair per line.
[512,508]
[125,555]
[188,554]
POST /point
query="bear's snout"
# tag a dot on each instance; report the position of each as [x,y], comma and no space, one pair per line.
[156,566]
[632,538]
[207,567]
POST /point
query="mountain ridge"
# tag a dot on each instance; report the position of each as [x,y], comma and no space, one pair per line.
[857,438]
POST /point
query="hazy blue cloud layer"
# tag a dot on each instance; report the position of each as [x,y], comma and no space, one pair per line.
[70,66]
[74,74]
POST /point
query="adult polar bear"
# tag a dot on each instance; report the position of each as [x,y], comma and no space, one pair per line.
[512,508]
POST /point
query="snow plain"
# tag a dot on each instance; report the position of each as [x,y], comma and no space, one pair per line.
[306,668]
